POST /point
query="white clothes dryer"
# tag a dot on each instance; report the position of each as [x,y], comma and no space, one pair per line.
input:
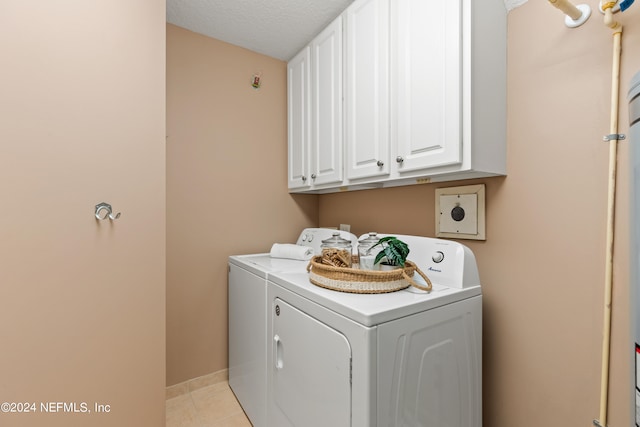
[406,358]
[247,293]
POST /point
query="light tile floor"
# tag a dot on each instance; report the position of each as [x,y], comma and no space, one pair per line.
[211,406]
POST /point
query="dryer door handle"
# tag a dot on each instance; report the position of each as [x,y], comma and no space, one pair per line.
[278,352]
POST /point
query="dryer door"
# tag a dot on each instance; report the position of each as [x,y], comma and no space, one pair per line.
[310,371]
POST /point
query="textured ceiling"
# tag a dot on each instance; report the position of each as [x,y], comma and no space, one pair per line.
[511,4]
[277,28]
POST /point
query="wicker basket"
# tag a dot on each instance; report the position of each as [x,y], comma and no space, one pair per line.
[358,281]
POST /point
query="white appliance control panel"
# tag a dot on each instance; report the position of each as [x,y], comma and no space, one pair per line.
[446,262]
[313,237]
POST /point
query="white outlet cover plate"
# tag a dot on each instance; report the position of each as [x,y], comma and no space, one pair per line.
[468,202]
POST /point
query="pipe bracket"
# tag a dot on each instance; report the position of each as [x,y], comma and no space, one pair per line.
[614,137]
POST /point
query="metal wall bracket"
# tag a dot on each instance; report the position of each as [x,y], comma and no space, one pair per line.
[614,137]
[104,211]
[597,423]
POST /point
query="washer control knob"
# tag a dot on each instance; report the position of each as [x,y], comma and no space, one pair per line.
[309,237]
[438,257]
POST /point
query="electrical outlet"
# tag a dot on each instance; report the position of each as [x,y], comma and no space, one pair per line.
[345,227]
[460,212]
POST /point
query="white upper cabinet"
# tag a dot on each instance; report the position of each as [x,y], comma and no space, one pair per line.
[424,96]
[299,120]
[315,112]
[367,88]
[326,101]
[426,87]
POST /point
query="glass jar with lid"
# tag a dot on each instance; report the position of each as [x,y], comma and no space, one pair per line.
[367,253]
[336,251]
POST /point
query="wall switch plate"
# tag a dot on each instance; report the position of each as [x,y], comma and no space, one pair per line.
[460,212]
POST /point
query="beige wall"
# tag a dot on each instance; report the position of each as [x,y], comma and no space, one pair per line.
[226,187]
[542,265]
[82,121]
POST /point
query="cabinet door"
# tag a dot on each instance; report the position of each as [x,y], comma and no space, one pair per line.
[310,369]
[299,131]
[367,88]
[426,81]
[326,139]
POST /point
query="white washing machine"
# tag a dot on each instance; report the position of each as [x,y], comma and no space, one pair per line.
[248,275]
[406,358]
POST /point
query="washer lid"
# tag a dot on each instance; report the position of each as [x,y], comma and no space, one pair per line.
[263,264]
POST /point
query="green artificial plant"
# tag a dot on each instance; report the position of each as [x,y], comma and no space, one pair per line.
[394,251]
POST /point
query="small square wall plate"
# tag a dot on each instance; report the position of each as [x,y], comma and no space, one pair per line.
[460,212]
